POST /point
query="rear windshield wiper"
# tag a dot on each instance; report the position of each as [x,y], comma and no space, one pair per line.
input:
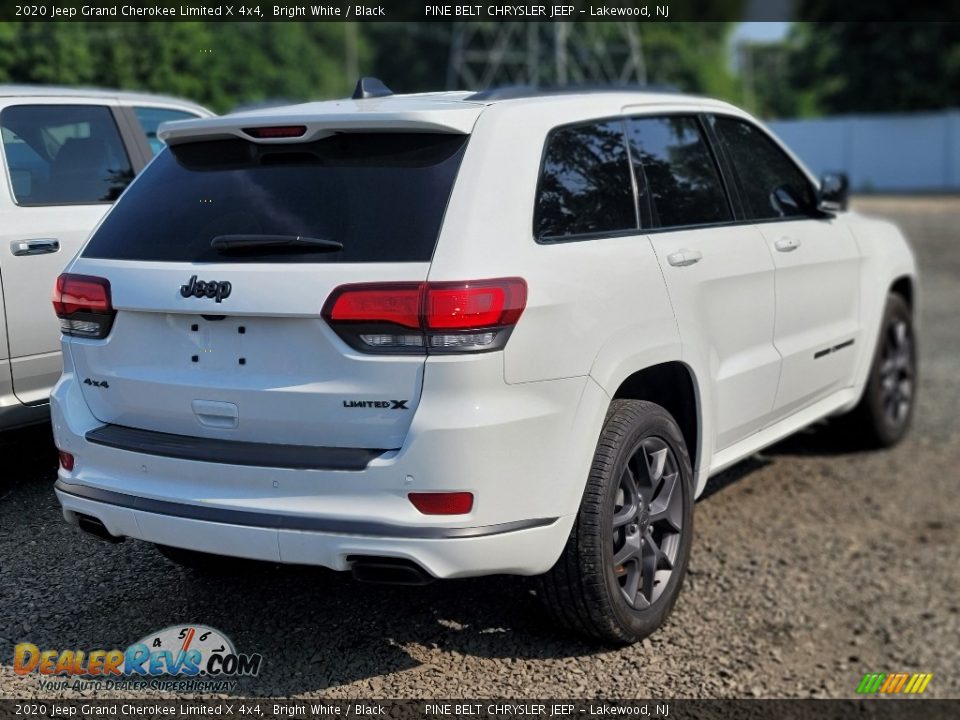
[253,243]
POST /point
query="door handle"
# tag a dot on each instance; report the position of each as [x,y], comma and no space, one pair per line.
[39,246]
[683,258]
[787,244]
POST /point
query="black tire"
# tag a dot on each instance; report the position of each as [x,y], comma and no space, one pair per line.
[585,591]
[884,413]
[203,562]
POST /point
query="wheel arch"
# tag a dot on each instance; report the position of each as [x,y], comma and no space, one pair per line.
[904,287]
[673,386]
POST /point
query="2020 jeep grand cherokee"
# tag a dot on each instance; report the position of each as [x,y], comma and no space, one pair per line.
[460,334]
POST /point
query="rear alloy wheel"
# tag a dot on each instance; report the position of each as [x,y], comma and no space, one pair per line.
[647,523]
[622,568]
[883,416]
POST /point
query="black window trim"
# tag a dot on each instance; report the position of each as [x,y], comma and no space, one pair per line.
[725,166]
[724,184]
[719,166]
[728,179]
[818,214]
[580,237]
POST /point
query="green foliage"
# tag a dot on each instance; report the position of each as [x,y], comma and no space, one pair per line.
[217,64]
[822,67]
[222,65]
[410,57]
[877,66]
[45,53]
[690,56]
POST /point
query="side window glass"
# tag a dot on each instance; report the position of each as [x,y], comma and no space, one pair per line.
[771,184]
[64,154]
[585,185]
[677,178]
[151,118]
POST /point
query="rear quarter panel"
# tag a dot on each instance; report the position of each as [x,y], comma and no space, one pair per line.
[596,309]
[585,297]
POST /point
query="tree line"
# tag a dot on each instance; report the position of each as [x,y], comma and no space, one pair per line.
[820,68]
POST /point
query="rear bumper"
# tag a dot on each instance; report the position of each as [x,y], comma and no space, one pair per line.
[522,548]
[524,452]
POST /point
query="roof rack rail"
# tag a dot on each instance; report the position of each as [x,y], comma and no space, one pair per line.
[370,87]
[511,92]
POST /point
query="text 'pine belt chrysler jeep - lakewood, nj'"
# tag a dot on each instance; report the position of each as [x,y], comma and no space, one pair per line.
[455,334]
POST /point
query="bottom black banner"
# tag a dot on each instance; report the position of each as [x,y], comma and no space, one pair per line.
[256,709]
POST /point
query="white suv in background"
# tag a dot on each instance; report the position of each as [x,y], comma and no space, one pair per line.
[65,155]
[456,334]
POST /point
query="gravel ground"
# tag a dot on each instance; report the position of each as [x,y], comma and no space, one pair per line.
[811,566]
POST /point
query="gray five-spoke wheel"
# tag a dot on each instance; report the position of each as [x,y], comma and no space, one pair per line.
[897,371]
[647,522]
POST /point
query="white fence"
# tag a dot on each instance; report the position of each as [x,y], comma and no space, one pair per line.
[916,152]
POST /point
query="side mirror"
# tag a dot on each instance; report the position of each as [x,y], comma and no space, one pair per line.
[834,191]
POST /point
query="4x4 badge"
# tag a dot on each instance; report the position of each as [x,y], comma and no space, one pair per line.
[219,291]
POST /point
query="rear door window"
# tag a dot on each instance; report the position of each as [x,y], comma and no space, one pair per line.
[585,186]
[64,154]
[150,118]
[381,196]
[677,179]
[771,184]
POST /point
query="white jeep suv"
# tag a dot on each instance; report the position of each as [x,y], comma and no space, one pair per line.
[454,334]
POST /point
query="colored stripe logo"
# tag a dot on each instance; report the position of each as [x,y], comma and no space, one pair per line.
[894,683]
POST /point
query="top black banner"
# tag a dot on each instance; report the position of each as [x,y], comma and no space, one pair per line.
[516,11]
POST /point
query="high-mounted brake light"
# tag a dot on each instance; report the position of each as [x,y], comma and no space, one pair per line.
[442,317]
[83,305]
[279,131]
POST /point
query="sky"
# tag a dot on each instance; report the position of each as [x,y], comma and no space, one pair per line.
[760,31]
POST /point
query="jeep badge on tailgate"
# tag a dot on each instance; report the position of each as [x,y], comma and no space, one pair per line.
[211,289]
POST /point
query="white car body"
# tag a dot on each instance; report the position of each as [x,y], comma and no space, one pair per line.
[745,324]
[38,239]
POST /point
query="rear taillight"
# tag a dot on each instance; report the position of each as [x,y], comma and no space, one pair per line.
[66,460]
[83,304]
[417,318]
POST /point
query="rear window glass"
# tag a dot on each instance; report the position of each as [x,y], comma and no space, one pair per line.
[585,185]
[63,154]
[382,196]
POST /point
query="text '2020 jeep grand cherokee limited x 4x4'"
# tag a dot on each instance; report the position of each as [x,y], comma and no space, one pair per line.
[449,335]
